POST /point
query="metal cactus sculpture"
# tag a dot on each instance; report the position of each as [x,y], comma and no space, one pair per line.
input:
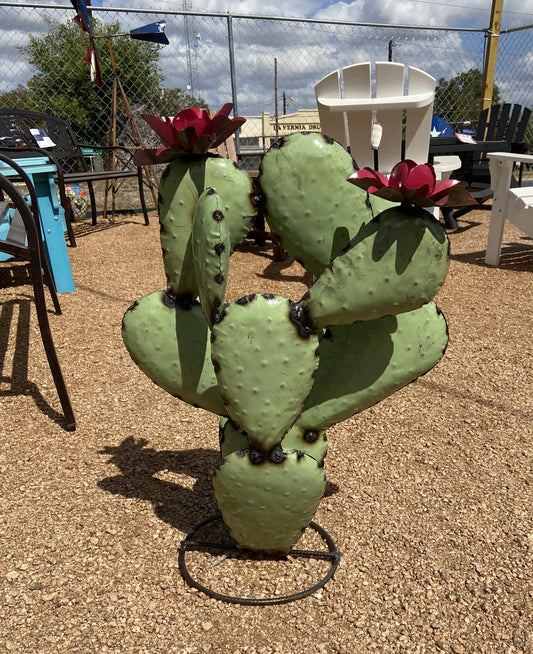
[280,372]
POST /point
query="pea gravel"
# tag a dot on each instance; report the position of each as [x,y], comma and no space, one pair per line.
[429,497]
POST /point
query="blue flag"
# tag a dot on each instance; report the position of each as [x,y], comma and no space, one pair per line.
[155,33]
[439,127]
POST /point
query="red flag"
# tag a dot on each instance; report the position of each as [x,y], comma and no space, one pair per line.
[91,60]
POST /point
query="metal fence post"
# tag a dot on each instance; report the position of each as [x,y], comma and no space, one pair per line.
[231,49]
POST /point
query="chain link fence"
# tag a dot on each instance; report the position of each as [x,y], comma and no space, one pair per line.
[514,74]
[219,58]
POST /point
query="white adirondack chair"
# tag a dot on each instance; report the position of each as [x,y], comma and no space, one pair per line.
[512,204]
[402,108]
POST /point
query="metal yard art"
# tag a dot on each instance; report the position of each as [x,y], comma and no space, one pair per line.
[123,129]
[153,33]
[280,372]
[83,19]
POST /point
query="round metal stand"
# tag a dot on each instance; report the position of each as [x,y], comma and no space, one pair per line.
[332,554]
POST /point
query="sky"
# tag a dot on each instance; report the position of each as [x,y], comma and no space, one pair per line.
[436,13]
[298,72]
[306,52]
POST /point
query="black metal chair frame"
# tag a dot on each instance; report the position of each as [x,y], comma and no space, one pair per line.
[502,128]
[33,251]
[506,123]
[15,125]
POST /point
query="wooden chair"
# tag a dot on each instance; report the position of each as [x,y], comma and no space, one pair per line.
[227,148]
[383,127]
[20,238]
[512,204]
[15,135]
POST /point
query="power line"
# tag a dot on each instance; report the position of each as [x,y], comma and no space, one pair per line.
[462,6]
[431,2]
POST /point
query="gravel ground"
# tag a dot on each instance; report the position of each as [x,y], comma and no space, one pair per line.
[429,498]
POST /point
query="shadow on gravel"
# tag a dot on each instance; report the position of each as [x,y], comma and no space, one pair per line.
[86,228]
[516,256]
[275,270]
[177,483]
[15,353]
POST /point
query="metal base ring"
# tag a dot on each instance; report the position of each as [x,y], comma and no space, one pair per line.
[332,553]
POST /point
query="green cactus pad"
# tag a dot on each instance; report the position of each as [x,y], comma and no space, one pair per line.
[211,251]
[171,346]
[231,439]
[395,264]
[182,183]
[363,363]
[267,505]
[314,443]
[264,360]
[309,204]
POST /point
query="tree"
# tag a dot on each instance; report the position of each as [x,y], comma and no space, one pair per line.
[173,100]
[459,99]
[18,97]
[62,85]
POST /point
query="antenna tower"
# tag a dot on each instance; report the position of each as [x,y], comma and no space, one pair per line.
[192,50]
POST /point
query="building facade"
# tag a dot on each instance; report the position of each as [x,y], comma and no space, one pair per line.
[259,132]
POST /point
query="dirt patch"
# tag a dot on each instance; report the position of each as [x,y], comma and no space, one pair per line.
[429,496]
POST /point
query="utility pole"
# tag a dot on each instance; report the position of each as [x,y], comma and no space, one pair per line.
[276,95]
[492,53]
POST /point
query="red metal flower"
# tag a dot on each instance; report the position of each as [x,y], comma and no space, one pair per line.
[192,131]
[412,183]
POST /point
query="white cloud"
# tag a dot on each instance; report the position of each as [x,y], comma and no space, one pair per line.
[430,13]
[517,13]
[15,32]
[440,13]
[296,8]
[305,52]
[437,13]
